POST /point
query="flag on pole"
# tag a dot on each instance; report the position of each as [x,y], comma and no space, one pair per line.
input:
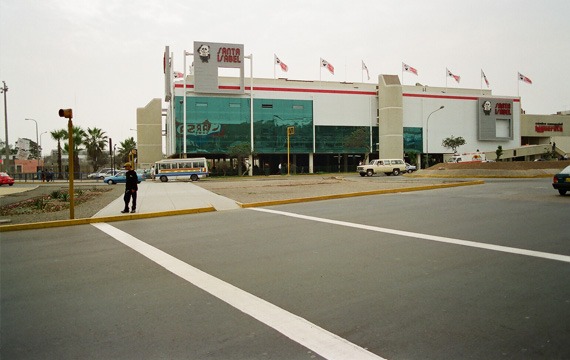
[365,68]
[327,65]
[484,78]
[284,67]
[450,74]
[178,74]
[408,68]
[524,79]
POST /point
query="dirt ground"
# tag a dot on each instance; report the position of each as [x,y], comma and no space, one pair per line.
[514,169]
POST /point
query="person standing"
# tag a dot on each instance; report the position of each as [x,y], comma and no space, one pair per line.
[131,188]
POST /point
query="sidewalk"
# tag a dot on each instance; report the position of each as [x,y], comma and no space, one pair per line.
[157,196]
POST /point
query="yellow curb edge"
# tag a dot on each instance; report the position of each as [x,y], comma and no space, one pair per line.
[361,193]
[83,221]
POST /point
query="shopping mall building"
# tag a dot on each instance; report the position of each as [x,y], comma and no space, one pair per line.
[330,126]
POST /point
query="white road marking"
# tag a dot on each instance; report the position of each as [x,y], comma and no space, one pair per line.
[442,239]
[313,337]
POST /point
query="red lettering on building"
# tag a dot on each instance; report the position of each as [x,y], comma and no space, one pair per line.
[543,127]
[229,55]
[503,109]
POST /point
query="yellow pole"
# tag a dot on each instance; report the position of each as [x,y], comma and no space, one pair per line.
[288,166]
[290,131]
[71,170]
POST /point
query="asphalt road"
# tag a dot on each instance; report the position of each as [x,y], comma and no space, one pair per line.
[477,272]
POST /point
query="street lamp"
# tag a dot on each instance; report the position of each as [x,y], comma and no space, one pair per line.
[37,140]
[427,135]
[41,149]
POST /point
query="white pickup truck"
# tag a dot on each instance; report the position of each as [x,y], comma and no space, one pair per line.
[386,166]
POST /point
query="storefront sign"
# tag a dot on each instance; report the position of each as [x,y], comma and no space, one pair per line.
[548,127]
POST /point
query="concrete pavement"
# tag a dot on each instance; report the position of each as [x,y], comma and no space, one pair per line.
[158,197]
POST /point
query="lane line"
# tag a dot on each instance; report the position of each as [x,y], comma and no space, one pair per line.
[506,249]
[313,337]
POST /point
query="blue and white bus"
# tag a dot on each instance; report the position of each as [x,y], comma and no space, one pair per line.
[180,169]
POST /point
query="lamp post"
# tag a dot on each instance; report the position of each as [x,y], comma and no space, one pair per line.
[37,140]
[41,149]
[184,131]
[427,135]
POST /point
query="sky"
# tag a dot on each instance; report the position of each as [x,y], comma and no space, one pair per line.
[103,58]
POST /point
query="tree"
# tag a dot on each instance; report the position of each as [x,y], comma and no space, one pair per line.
[453,143]
[125,148]
[499,152]
[59,135]
[95,142]
[78,135]
[34,150]
[359,138]
[240,151]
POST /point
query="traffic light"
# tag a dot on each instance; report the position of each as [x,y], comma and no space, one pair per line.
[66,113]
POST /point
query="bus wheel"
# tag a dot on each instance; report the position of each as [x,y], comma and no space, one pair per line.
[194,177]
[163,178]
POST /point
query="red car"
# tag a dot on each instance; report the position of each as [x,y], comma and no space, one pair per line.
[6,179]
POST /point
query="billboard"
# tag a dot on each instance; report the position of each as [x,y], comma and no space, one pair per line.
[209,57]
[495,121]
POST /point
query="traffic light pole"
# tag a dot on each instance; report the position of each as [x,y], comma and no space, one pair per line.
[68,113]
[71,170]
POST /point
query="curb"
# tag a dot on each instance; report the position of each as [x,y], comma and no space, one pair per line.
[362,193]
[71,222]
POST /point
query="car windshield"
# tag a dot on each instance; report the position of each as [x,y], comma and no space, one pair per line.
[566,170]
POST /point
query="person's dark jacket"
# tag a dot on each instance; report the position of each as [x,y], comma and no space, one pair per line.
[132,181]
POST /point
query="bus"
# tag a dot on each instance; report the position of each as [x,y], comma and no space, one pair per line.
[180,169]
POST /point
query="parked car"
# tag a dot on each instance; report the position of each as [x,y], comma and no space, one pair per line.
[6,179]
[410,168]
[120,177]
[102,173]
[145,173]
[386,166]
[561,181]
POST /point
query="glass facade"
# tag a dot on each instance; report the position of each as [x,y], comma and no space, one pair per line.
[272,118]
[332,139]
[413,139]
[214,124]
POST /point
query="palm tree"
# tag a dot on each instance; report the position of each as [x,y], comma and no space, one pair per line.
[78,135]
[125,148]
[95,142]
[59,135]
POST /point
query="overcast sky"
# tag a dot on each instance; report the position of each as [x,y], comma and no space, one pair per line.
[104,58]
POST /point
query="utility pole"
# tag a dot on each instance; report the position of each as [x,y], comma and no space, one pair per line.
[4,90]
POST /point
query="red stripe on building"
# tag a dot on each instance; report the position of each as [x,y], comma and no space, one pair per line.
[300,90]
[451,97]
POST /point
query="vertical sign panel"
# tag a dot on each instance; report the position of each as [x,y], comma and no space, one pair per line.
[209,57]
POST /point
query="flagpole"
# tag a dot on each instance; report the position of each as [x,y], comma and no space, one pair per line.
[184,109]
